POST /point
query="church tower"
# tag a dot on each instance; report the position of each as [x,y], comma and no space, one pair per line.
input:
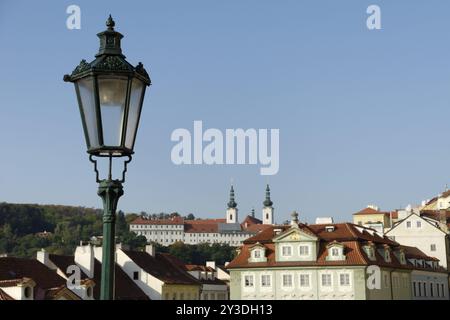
[268,208]
[232,211]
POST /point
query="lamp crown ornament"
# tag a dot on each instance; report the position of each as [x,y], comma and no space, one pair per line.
[110,94]
[110,23]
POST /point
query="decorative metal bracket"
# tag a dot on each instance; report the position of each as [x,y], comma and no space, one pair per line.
[97,174]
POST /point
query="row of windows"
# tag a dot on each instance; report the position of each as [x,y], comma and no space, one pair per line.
[421,289]
[397,282]
[418,224]
[195,241]
[159,232]
[286,251]
[213,296]
[153,226]
[180,296]
[201,235]
[304,250]
[287,280]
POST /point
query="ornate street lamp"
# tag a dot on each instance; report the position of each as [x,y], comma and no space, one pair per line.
[110,94]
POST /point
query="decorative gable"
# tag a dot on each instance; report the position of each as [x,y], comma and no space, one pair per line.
[294,234]
[296,244]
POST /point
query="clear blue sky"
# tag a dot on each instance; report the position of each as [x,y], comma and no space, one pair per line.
[364,116]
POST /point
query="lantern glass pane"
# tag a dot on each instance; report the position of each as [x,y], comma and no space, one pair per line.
[87,100]
[137,90]
[112,95]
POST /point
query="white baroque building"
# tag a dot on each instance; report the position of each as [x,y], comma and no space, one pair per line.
[226,231]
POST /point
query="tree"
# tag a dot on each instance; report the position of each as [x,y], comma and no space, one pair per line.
[121,224]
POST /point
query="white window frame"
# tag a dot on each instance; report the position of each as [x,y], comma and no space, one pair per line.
[291,287]
[244,281]
[347,278]
[335,250]
[308,249]
[309,277]
[290,249]
[270,281]
[326,287]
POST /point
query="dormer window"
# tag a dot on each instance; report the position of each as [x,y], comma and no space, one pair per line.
[402,258]
[370,251]
[257,253]
[335,252]
[329,228]
[387,256]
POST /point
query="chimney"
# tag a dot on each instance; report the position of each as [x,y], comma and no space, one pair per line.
[150,249]
[84,258]
[42,257]
[211,264]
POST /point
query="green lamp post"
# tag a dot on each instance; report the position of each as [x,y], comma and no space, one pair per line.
[110,93]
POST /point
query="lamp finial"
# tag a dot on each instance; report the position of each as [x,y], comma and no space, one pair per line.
[110,23]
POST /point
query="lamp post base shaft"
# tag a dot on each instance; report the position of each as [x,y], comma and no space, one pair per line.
[110,191]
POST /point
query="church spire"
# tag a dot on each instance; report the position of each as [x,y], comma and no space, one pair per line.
[232,203]
[267,202]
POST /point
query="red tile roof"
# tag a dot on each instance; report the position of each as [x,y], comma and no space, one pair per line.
[369,211]
[13,282]
[351,236]
[416,253]
[63,262]
[125,288]
[203,226]
[198,267]
[250,220]
[17,268]
[14,268]
[255,228]
[174,220]
[163,266]
[437,214]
